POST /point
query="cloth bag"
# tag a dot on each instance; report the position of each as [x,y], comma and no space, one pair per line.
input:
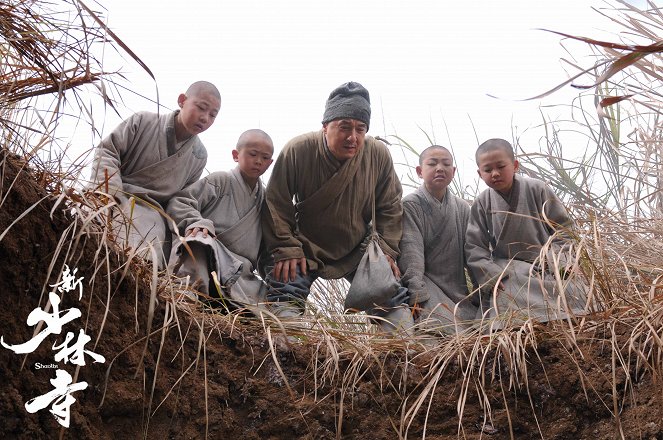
[374,283]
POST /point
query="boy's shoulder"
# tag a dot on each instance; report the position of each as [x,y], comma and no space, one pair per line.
[535,188]
[146,116]
[304,141]
[527,185]
[412,198]
[218,178]
[532,182]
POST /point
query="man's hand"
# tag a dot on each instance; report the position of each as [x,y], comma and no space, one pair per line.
[394,267]
[286,270]
[195,231]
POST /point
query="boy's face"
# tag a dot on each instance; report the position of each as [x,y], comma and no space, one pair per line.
[497,169]
[345,137]
[437,169]
[254,157]
[198,112]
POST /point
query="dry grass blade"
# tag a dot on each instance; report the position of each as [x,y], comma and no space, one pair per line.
[117,39]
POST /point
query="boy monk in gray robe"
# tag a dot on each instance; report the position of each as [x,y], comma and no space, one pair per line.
[219,219]
[517,228]
[333,175]
[432,256]
[147,159]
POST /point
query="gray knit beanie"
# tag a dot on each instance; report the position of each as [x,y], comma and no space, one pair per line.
[349,100]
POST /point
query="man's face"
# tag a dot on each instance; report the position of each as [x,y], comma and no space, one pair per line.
[345,137]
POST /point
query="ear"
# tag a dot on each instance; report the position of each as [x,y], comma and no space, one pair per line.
[421,176]
[453,172]
[516,165]
[236,155]
[181,99]
[479,172]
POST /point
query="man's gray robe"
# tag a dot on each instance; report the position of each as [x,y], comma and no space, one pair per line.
[141,158]
[432,260]
[223,204]
[505,238]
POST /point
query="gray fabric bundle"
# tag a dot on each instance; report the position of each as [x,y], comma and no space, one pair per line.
[374,283]
[349,100]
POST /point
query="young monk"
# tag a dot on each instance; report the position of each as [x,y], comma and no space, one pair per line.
[510,224]
[148,158]
[219,219]
[432,257]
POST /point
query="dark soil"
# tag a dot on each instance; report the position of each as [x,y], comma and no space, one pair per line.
[230,388]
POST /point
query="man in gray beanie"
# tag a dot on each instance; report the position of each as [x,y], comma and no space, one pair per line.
[333,175]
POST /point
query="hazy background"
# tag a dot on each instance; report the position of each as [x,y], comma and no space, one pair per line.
[428,65]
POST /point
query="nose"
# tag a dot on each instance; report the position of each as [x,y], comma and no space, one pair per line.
[495,173]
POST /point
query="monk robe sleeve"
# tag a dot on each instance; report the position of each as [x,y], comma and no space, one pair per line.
[110,153]
[478,248]
[186,206]
[412,259]
[388,207]
[278,213]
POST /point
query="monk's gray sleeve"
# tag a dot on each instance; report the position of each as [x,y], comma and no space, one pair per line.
[109,154]
[186,206]
[477,248]
[412,259]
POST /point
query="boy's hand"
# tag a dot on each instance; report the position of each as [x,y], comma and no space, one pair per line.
[193,232]
[286,270]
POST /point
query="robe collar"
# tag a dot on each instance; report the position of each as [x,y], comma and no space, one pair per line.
[514,194]
[432,199]
[237,174]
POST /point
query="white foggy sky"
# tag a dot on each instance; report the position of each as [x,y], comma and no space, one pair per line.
[425,64]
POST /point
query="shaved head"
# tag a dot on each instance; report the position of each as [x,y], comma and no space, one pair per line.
[427,151]
[202,87]
[495,144]
[250,136]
